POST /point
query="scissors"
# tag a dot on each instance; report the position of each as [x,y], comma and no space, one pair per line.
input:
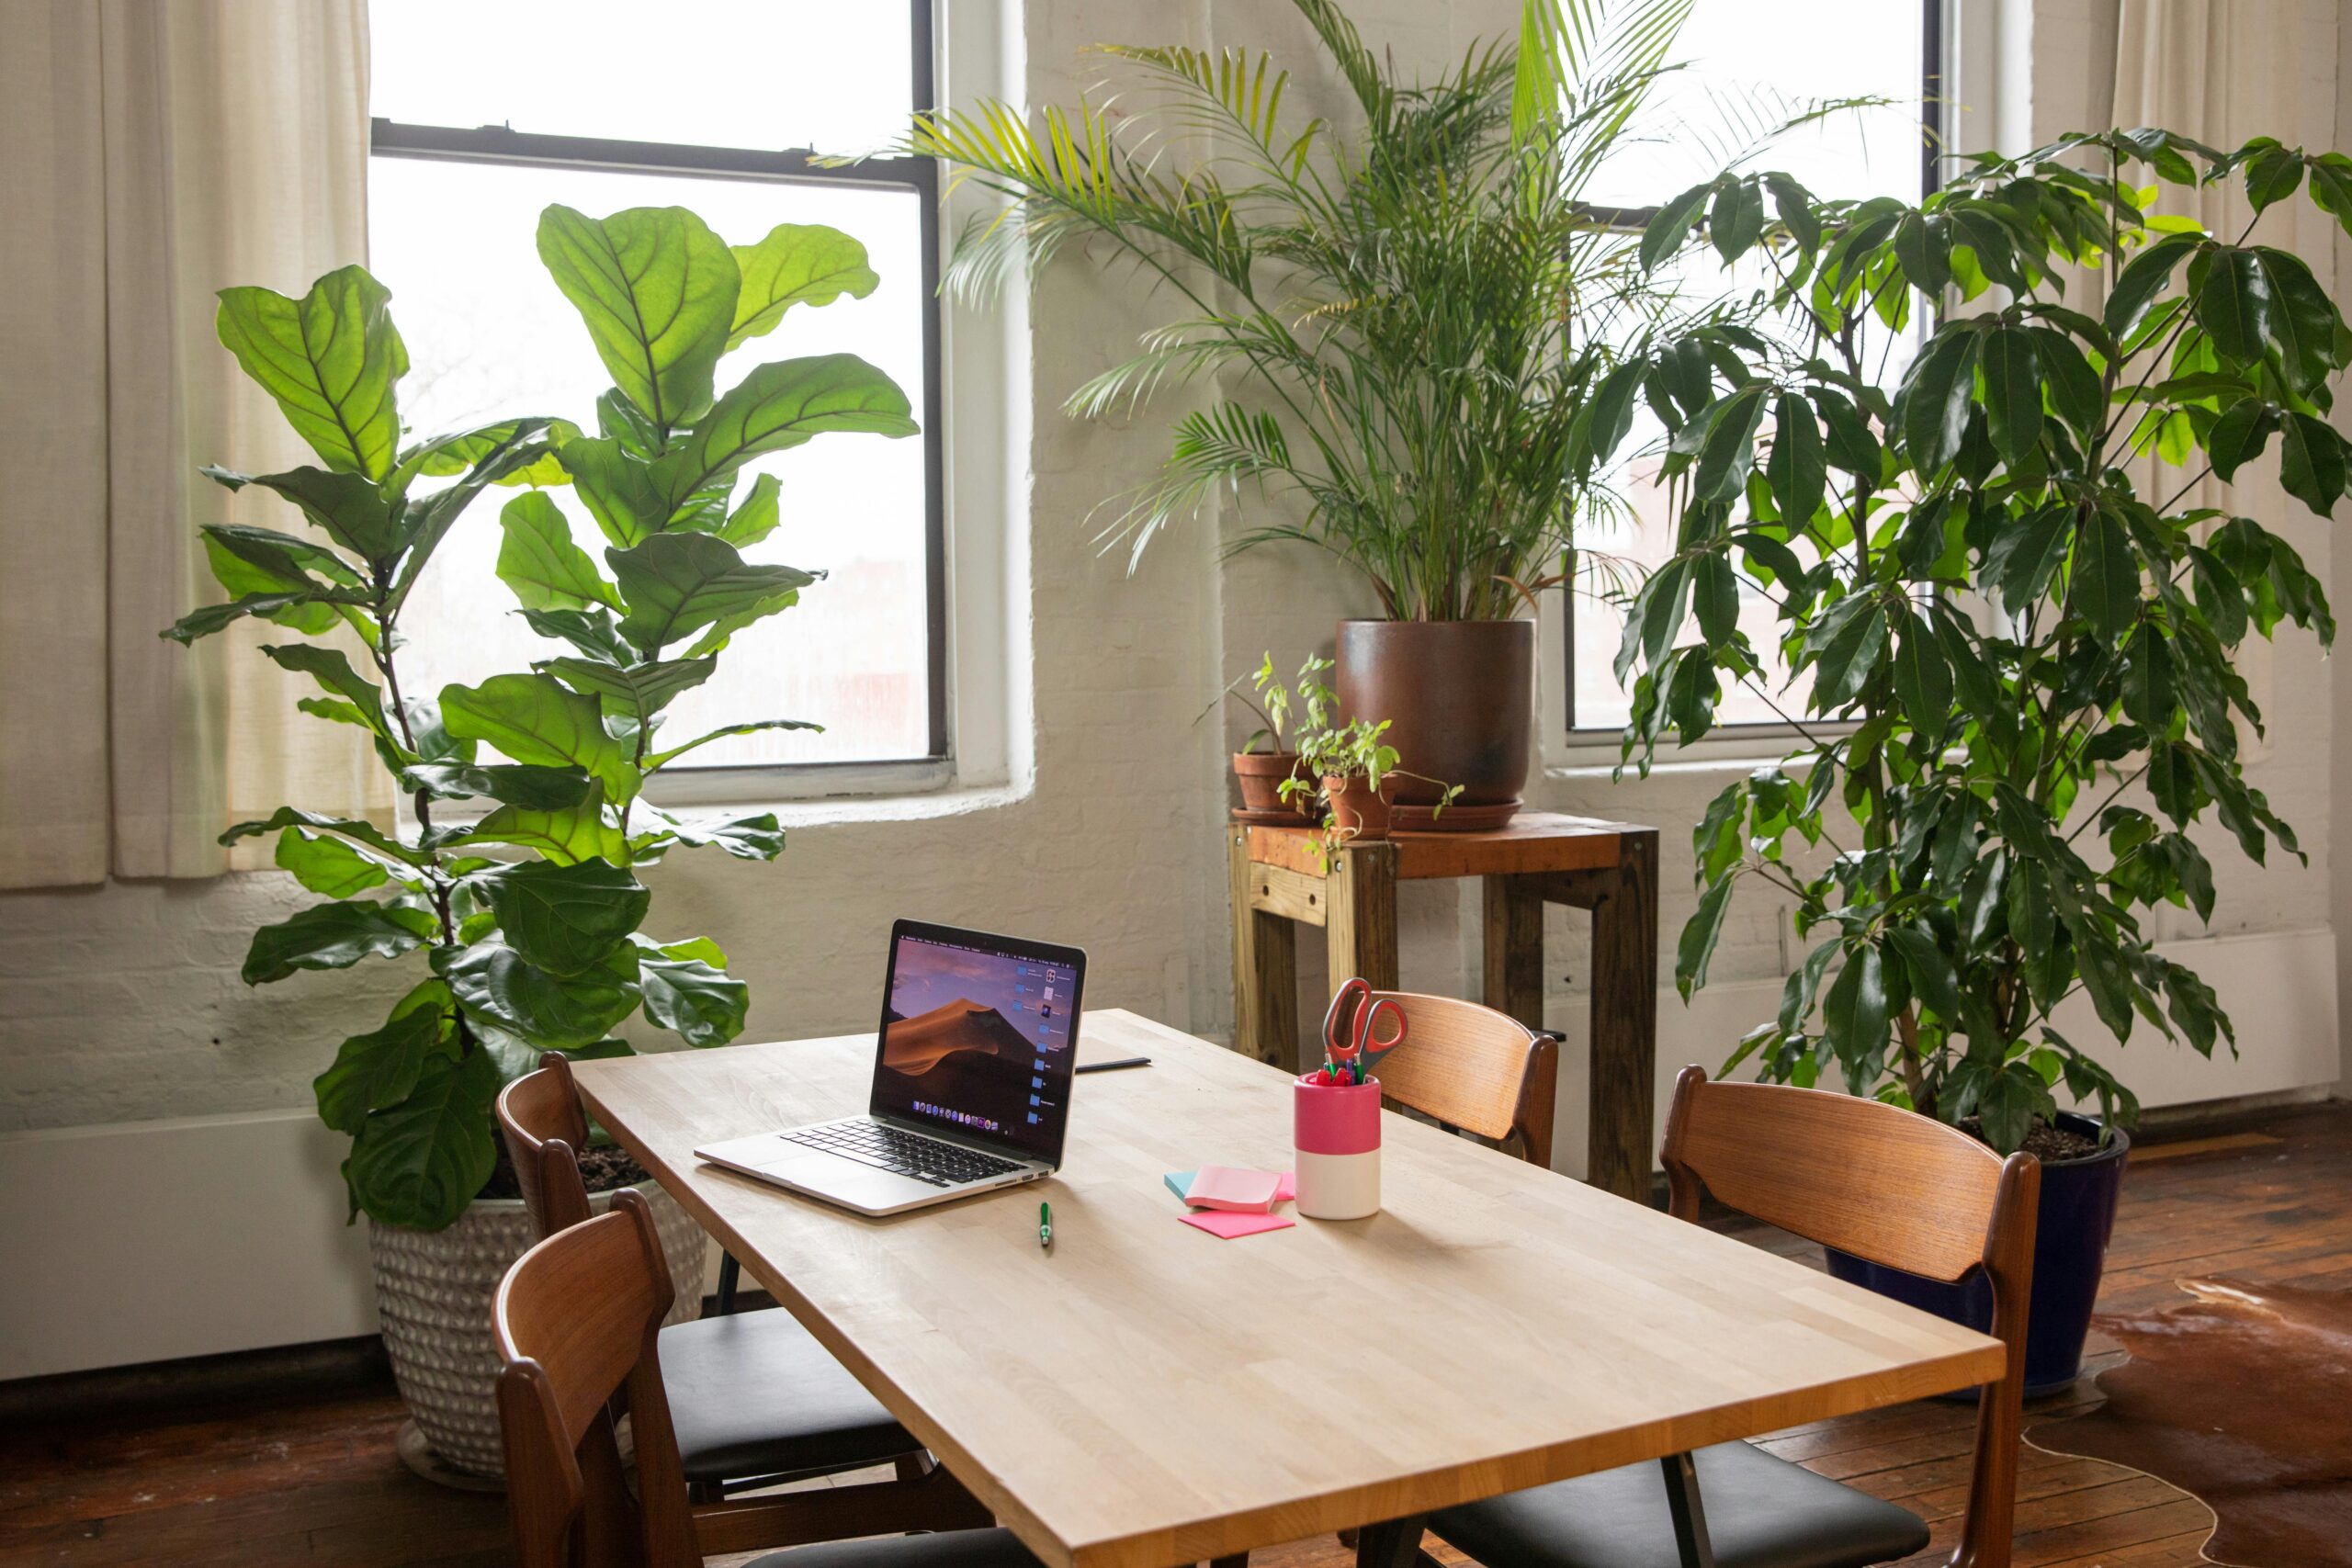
[1351,1027]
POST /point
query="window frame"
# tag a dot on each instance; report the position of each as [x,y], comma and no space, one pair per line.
[1592,744]
[500,144]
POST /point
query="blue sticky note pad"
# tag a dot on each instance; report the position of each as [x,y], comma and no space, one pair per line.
[1180,1182]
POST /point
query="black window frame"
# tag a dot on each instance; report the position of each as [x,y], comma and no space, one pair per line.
[1933,123]
[797,165]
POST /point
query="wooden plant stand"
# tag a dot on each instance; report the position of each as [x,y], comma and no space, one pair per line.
[1278,883]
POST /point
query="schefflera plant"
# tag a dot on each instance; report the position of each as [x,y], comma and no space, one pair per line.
[528,913]
[2021,684]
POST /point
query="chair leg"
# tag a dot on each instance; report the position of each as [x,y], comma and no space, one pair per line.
[730,1277]
[1689,1513]
[1392,1543]
[1239,1560]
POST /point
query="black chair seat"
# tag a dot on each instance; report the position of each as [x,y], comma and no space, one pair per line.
[1761,1512]
[950,1549]
[754,1393]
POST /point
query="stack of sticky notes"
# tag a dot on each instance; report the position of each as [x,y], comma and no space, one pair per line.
[1230,1202]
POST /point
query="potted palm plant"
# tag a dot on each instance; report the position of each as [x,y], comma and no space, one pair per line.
[2012,656]
[1419,323]
[516,882]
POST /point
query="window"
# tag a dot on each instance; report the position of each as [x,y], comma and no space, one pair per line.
[483,116]
[1747,64]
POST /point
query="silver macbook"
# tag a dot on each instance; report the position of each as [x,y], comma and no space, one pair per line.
[971,1079]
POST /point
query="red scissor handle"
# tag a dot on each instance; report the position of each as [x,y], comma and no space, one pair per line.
[1352,1026]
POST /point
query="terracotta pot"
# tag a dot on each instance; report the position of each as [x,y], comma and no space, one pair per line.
[1460,699]
[1360,812]
[1261,775]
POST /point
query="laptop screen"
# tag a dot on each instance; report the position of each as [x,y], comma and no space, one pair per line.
[978,1036]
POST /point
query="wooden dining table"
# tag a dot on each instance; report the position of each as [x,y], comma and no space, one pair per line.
[1142,1395]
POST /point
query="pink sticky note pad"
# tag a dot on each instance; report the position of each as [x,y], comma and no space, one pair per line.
[1221,1222]
[1221,1187]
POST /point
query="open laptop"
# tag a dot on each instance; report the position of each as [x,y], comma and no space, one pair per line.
[971,1079]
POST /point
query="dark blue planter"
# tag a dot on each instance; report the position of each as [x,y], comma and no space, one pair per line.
[2078,1198]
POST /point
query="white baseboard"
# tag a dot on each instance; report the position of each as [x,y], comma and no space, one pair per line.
[147,1241]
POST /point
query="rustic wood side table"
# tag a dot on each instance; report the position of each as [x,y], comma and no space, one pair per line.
[1279,883]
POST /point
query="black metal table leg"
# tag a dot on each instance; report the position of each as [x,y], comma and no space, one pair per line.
[1689,1513]
[1392,1543]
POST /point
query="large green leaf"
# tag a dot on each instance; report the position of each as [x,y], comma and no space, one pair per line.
[2012,392]
[753,520]
[593,631]
[1798,467]
[538,559]
[1730,448]
[2105,583]
[2142,279]
[428,519]
[617,489]
[1856,1014]
[2231,295]
[456,451]
[514,784]
[378,1070]
[330,360]
[780,405]
[336,868]
[1936,399]
[700,1004]
[420,1162]
[2310,462]
[563,918]
[1699,934]
[367,833]
[746,838]
[334,936]
[332,671]
[636,691]
[567,836]
[795,264]
[347,507]
[657,289]
[551,1012]
[537,719]
[678,583]
[205,620]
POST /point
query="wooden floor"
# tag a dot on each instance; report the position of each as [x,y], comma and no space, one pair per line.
[314,1480]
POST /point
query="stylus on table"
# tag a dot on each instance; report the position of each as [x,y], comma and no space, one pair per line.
[1111,1066]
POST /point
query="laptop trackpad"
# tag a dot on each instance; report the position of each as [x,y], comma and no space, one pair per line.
[849,1182]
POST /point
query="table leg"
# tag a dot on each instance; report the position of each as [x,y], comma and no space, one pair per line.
[1265,968]
[1689,1513]
[1360,914]
[1392,1543]
[1514,948]
[1624,1069]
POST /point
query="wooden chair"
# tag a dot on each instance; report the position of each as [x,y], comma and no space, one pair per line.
[579,1325]
[752,1398]
[1471,1067]
[1870,1179]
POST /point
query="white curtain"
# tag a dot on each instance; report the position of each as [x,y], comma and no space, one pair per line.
[152,151]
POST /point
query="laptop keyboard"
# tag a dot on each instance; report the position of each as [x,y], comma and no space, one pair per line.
[902,1153]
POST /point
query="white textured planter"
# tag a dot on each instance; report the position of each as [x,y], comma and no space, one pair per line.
[433,1294]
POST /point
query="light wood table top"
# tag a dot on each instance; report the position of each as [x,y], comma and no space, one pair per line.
[1145,1394]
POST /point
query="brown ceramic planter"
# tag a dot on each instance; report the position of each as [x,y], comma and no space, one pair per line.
[1460,699]
[1359,812]
[1261,775]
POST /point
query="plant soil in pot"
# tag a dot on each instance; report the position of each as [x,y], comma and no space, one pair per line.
[1460,699]
[1359,811]
[2079,1191]
[1261,775]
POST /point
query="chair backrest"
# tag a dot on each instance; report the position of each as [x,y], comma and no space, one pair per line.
[1472,1067]
[540,1118]
[577,1320]
[1892,1187]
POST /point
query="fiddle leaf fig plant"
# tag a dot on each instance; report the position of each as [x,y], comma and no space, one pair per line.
[516,879]
[2012,658]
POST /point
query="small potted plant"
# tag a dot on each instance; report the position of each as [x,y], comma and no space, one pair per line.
[1346,766]
[1260,773]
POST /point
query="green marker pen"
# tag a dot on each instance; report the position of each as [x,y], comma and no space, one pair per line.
[1044,1225]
